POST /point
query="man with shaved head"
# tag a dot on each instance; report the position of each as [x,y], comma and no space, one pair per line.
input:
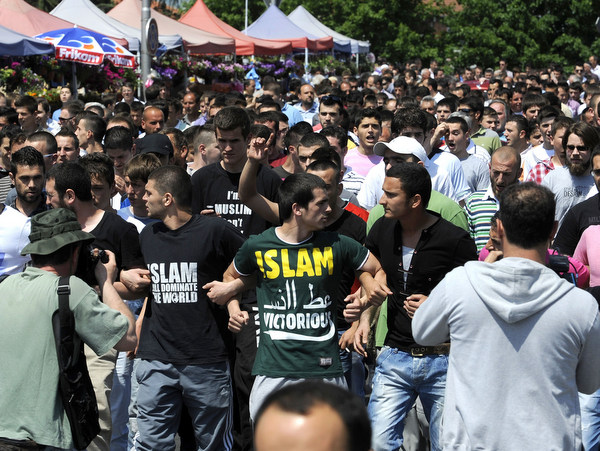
[153,120]
[505,170]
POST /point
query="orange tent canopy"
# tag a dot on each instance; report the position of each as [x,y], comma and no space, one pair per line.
[195,40]
[20,16]
[201,17]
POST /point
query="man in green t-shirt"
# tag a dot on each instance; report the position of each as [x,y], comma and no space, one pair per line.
[32,415]
[298,268]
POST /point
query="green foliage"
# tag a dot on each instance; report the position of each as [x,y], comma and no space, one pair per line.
[232,11]
[533,32]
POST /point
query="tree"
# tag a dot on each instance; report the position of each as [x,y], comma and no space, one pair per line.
[397,30]
[534,32]
[232,11]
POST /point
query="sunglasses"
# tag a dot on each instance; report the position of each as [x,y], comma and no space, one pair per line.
[571,147]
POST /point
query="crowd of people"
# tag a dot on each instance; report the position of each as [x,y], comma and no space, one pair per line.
[316,229]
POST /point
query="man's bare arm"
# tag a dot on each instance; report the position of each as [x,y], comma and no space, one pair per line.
[133,283]
[373,281]
[233,283]
[106,274]
[247,191]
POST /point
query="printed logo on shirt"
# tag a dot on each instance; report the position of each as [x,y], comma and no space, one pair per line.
[174,283]
[275,263]
[233,209]
[295,320]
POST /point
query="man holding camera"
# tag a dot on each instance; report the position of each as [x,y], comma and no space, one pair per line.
[524,340]
[68,185]
[31,410]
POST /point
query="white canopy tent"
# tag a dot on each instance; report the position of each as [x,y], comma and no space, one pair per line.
[305,20]
[85,14]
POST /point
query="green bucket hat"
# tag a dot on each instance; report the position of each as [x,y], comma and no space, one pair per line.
[53,229]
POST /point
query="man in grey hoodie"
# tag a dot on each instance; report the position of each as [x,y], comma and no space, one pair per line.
[523,340]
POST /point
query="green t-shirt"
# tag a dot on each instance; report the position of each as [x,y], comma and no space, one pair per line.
[295,285]
[30,405]
[438,203]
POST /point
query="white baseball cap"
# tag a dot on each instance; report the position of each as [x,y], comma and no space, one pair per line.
[402,145]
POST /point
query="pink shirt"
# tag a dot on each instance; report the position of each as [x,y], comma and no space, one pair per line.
[577,267]
[588,252]
[360,163]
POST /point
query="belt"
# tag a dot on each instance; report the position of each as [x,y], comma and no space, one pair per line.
[420,351]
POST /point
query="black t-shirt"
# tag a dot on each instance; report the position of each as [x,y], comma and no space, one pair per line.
[354,227]
[577,219]
[216,188]
[181,325]
[281,172]
[441,248]
[115,234]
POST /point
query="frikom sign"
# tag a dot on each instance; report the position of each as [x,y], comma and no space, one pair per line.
[79,56]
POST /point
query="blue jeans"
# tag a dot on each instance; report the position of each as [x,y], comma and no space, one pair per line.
[206,392]
[354,369]
[590,420]
[399,379]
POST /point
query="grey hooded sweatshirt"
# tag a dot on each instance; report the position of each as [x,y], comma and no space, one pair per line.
[523,343]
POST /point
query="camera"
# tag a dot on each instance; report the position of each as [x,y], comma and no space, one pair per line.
[88,259]
[560,265]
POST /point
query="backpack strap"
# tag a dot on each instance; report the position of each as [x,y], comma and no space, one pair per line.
[67,326]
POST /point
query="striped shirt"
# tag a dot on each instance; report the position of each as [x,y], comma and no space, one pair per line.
[480,207]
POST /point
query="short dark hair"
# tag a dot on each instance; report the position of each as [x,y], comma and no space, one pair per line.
[45,137]
[73,107]
[459,120]
[314,139]
[304,396]
[331,101]
[71,175]
[68,134]
[530,100]
[25,101]
[560,123]
[297,189]
[26,156]
[99,165]
[179,139]
[9,131]
[414,178]
[296,133]
[527,214]
[122,108]
[12,118]
[124,118]
[141,166]
[335,131]
[409,117]
[137,106]
[96,124]
[324,164]
[547,112]
[521,121]
[231,117]
[473,102]
[364,113]
[327,153]
[45,104]
[118,138]
[176,181]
